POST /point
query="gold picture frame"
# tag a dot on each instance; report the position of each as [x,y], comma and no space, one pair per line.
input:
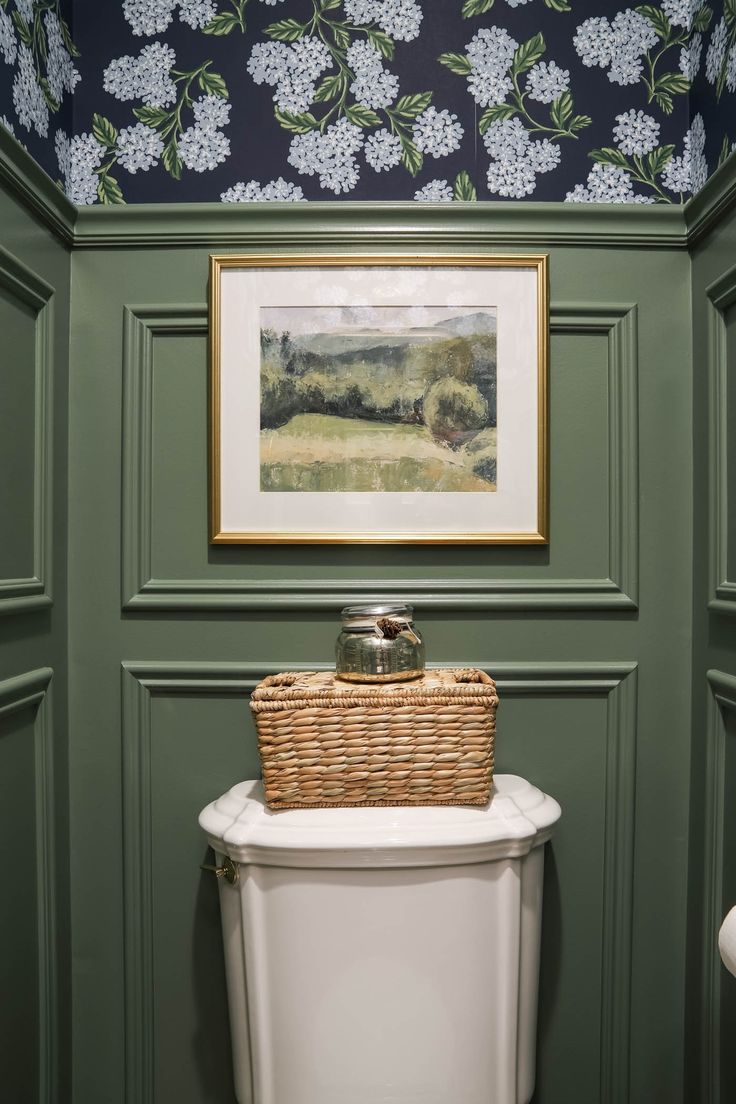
[226,376]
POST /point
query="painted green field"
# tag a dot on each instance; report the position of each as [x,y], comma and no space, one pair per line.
[321,452]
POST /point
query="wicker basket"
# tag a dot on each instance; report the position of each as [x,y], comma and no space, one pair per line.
[325,742]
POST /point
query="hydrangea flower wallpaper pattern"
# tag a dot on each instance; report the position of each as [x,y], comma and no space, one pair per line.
[255,100]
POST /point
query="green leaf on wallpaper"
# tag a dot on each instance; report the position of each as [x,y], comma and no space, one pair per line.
[558,5]
[528,54]
[330,87]
[493,114]
[561,110]
[296,124]
[341,36]
[383,42]
[221,24]
[665,101]
[672,82]
[328,5]
[702,19]
[411,158]
[41,45]
[725,151]
[109,191]
[464,188]
[579,122]
[22,28]
[151,116]
[66,35]
[658,158]
[609,156]
[286,30]
[51,102]
[103,130]
[476,7]
[171,160]
[213,84]
[362,116]
[729,11]
[657,18]
[458,63]
[411,106]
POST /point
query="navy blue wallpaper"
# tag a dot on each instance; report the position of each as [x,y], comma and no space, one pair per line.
[244,100]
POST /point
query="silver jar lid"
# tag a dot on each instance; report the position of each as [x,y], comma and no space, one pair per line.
[365,617]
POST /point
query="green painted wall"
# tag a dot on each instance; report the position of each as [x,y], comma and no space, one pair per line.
[712,991]
[590,640]
[35,1041]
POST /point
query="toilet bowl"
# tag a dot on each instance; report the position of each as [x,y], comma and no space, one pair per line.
[382,955]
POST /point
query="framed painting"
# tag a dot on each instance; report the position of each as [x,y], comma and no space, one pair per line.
[379,399]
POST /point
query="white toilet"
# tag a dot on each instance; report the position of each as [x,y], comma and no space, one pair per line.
[382,955]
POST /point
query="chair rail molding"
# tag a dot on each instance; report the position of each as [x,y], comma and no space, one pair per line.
[27,287]
[616,682]
[142,591]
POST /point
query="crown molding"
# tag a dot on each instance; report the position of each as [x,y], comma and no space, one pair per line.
[324,225]
[27,181]
[715,199]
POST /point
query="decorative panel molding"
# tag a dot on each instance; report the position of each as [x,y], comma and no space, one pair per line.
[24,285]
[722,701]
[31,691]
[615,682]
[142,591]
[721,296]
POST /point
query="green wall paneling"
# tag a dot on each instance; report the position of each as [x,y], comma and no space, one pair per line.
[711,991]
[28,1043]
[629,571]
[26,422]
[719,869]
[613,590]
[721,362]
[165,466]
[172,944]
[34,315]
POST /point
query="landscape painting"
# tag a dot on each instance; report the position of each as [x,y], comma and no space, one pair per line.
[378,398]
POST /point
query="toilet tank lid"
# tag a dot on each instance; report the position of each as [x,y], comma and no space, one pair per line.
[517,818]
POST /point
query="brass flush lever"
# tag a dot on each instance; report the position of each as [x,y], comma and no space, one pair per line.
[228,871]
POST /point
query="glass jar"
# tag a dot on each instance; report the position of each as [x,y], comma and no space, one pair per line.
[378,644]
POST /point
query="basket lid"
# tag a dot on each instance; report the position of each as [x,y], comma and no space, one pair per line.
[517,818]
[299,689]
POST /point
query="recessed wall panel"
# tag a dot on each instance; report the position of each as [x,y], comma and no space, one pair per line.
[19,965]
[168,563]
[17,436]
[188,736]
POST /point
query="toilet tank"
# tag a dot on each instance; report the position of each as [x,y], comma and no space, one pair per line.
[383,955]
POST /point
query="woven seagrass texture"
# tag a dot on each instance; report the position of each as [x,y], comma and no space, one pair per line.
[325,742]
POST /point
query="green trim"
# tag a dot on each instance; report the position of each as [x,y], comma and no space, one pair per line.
[323,224]
[616,681]
[28,182]
[704,211]
[142,592]
[721,295]
[27,287]
[31,690]
[380,226]
[722,700]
